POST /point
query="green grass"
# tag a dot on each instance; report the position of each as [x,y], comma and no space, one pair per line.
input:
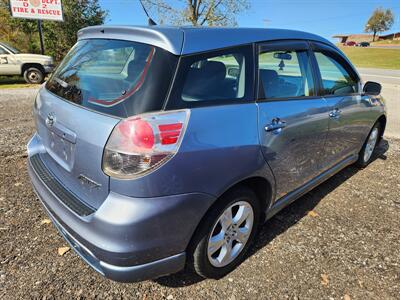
[386,42]
[12,82]
[373,57]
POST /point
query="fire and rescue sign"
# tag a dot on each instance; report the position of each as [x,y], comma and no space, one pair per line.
[37,9]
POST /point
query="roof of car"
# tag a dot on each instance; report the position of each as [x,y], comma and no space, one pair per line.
[187,40]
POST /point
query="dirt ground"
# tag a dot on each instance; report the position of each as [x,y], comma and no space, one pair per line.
[340,241]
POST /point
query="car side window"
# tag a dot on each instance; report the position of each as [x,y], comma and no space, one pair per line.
[285,74]
[216,77]
[2,51]
[336,79]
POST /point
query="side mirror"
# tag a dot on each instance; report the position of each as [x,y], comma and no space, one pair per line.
[372,88]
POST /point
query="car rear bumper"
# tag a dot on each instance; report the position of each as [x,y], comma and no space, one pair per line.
[168,265]
[127,239]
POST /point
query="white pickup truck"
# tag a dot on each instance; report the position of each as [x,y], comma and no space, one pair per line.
[33,67]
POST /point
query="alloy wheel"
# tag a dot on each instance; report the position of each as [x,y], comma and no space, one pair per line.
[230,234]
[370,146]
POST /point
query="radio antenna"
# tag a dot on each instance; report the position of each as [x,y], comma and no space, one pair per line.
[150,20]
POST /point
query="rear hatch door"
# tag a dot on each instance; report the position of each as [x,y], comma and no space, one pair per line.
[74,139]
[99,82]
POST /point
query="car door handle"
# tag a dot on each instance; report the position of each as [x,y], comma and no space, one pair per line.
[335,114]
[275,125]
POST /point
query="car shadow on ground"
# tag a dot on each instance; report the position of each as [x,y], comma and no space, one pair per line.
[284,219]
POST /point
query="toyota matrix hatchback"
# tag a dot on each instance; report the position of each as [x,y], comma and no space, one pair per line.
[160,147]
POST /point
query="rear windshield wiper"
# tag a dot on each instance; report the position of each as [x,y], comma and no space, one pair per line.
[69,89]
[61,82]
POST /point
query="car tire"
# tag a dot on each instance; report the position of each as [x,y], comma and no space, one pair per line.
[366,154]
[33,75]
[213,262]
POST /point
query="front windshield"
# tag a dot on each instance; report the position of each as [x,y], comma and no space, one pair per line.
[10,48]
[116,77]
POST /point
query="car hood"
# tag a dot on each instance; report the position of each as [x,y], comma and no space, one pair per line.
[27,57]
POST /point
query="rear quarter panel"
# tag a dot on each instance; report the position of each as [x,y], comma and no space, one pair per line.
[220,148]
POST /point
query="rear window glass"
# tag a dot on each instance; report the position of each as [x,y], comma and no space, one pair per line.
[120,78]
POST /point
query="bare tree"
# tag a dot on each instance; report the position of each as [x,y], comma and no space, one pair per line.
[197,12]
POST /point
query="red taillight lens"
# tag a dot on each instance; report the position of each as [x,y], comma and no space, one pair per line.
[137,131]
[169,133]
[140,144]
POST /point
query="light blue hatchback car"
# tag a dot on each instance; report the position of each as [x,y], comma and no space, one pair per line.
[164,147]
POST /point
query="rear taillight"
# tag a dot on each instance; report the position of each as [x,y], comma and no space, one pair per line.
[141,144]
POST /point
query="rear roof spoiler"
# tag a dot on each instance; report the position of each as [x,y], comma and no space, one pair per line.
[167,38]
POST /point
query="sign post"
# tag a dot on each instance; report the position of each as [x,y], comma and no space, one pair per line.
[37,10]
[39,24]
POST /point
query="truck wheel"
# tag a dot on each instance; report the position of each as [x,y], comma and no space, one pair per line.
[33,75]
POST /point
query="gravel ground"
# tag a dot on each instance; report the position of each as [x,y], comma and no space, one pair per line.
[340,241]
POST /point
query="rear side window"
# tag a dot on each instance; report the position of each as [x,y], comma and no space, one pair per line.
[217,77]
[285,74]
[336,80]
[120,78]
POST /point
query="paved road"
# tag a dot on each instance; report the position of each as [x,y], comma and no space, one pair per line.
[390,80]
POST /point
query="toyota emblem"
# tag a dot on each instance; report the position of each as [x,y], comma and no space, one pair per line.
[50,120]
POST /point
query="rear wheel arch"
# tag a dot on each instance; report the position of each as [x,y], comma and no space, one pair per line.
[256,190]
[33,73]
[259,185]
[26,66]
